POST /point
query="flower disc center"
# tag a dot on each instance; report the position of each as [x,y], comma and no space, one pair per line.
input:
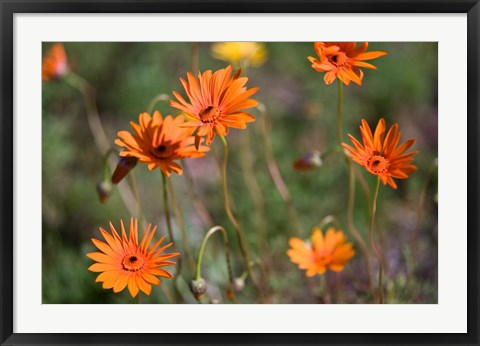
[133,263]
[210,114]
[162,151]
[338,59]
[378,164]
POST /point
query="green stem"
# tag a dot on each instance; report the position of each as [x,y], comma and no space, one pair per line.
[178,216]
[372,240]
[105,167]
[166,211]
[211,231]
[275,171]
[236,226]
[255,192]
[351,226]
[339,113]
[351,187]
[155,100]
[93,118]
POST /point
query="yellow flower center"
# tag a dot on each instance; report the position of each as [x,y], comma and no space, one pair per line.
[378,164]
[132,263]
[210,114]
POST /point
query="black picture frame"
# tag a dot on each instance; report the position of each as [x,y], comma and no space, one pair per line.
[9,7]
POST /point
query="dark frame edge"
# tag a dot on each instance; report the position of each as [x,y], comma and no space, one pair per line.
[6,173]
[473,133]
[7,337]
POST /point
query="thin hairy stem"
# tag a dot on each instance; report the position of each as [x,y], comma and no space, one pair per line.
[351,188]
[166,212]
[372,241]
[255,191]
[155,100]
[240,236]
[98,133]
[198,269]
[181,224]
[275,172]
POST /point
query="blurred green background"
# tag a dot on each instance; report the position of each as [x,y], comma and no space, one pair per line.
[302,112]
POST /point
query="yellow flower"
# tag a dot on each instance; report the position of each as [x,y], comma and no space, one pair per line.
[240,53]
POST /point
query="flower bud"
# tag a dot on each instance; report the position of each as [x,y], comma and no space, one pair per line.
[238,284]
[104,190]
[310,160]
[198,288]
[124,166]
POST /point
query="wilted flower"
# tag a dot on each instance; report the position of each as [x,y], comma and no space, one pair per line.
[310,160]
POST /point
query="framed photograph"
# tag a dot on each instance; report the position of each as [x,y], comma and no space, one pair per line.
[239,172]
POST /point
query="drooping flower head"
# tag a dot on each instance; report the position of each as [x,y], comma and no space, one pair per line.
[217,101]
[240,53]
[124,165]
[331,252]
[380,153]
[343,60]
[54,63]
[159,142]
[125,262]
[310,160]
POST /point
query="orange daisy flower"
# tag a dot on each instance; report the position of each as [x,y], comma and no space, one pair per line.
[123,262]
[54,63]
[159,142]
[217,102]
[343,60]
[381,155]
[330,252]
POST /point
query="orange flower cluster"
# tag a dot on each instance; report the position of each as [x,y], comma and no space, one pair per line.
[343,60]
[125,262]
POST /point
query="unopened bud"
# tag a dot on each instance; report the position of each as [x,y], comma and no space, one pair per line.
[104,190]
[198,288]
[238,284]
[125,164]
[310,160]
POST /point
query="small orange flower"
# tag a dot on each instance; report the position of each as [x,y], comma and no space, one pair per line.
[343,60]
[217,102]
[330,252]
[122,261]
[159,142]
[54,63]
[381,155]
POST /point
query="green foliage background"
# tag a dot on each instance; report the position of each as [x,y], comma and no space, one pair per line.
[302,110]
